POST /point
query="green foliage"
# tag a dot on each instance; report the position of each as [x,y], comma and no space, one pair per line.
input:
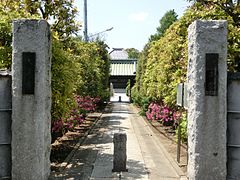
[136,96]
[183,126]
[144,103]
[165,22]
[164,63]
[230,7]
[7,15]
[128,88]
[93,71]
[132,53]
[62,13]
[77,67]
[141,67]
[5,42]
[64,80]
[104,68]
[140,101]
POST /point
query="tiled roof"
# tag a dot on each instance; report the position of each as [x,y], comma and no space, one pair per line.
[118,53]
[123,67]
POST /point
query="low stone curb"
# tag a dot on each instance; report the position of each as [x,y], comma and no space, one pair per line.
[153,126]
[77,145]
[170,138]
[174,163]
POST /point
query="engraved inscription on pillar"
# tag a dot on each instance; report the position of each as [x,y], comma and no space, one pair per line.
[28,74]
[211,74]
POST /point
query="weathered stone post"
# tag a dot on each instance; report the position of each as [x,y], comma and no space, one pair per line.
[207,111]
[120,152]
[31,100]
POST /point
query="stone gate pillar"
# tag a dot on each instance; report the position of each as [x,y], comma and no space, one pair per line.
[207,111]
[31,100]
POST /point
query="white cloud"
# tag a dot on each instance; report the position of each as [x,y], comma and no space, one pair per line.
[140,16]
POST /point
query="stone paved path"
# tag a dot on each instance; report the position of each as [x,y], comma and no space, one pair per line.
[146,157]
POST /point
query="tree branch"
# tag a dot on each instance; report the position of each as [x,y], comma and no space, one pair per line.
[229,7]
[42,12]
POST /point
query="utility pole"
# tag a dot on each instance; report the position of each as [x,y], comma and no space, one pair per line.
[85,32]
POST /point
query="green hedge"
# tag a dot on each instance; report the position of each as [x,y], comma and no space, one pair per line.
[77,68]
[163,63]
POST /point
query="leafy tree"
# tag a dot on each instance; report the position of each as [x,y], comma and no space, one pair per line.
[9,10]
[230,7]
[133,53]
[166,59]
[77,67]
[138,91]
[105,66]
[165,22]
[94,67]
[60,13]
[64,80]
[141,66]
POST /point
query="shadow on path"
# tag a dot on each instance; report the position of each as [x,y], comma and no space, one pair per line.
[94,158]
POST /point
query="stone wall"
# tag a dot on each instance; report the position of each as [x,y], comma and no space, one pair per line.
[5,124]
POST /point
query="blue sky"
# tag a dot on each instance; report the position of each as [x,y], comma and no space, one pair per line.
[133,21]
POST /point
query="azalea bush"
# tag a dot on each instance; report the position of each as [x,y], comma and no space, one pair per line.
[163,114]
[77,115]
[87,104]
[163,62]
[168,117]
[77,67]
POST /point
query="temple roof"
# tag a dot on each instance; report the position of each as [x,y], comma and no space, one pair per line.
[118,53]
[121,65]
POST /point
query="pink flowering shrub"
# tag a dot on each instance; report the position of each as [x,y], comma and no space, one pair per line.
[162,113]
[75,118]
[57,126]
[77,115]
[154,111]
[87,103]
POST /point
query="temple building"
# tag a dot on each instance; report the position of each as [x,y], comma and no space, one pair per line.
[123,69]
